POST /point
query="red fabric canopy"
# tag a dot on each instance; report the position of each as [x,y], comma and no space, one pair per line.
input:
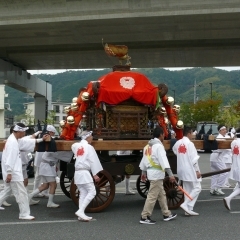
[116,87]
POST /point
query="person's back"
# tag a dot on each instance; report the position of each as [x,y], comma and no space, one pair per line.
[188,170]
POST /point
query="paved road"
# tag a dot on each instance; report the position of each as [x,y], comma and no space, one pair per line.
[121,219]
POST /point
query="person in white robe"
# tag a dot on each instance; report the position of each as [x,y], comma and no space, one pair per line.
[220,159]
[37,161]
[154,164]
[12,169]
[47,172]
[127,177]
[188,170]
[5,203]
[87,162]
[235,169]
[25,159]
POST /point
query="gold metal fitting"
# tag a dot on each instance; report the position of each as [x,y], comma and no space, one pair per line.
[70,120]
[74,106]
[170,100]
[85,96]
[180,124]
[74,100]
[163,110]
[67,109]
[62,123]
[176,108]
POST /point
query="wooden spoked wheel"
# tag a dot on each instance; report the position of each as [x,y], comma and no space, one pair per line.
[65,184]
[174,196]
[142,187]
[105,189]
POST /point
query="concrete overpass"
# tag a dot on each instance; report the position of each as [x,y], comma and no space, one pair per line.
[67,34]
[17,78]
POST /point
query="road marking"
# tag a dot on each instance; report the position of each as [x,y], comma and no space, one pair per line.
[36,222]
[235,212]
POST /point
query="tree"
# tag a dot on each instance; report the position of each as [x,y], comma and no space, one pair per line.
[204,110]
[229,115]
[186,114]
[51,117]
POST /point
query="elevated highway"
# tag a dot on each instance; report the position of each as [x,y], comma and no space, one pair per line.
[67,34]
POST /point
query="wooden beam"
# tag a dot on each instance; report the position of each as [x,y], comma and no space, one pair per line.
[113,145]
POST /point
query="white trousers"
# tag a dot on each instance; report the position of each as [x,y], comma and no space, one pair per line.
[20,193]
[37,179]
[193,189]
[87,193]
[218,181]
[228,165]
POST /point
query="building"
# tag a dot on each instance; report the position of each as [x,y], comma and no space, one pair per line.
[55,111]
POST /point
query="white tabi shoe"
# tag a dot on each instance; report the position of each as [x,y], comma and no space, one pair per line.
[53,205]
[2,208]
[130,192]
[27,218]
[185,208]
[227,185]
[226,202]
[83,220]
[218,192]
[193,213]
[32,202]
[6,204]
[82,216]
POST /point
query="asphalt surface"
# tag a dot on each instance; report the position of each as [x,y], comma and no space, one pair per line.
[121,219]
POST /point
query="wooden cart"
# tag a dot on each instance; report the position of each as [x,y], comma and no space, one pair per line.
[119,166]
[121,109]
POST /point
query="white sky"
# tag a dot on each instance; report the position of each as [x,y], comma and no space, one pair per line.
[55,71]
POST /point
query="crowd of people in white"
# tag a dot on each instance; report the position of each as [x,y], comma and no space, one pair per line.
[17,146]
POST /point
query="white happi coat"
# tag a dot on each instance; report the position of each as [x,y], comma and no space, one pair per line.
[49,161]
[221,155]
[158,156]
[11,158]
[235,169]
[86,158]
[187,160]
[24,154]
[24,157]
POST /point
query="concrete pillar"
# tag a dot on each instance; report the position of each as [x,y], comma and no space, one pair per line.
[2,120]
[40,108]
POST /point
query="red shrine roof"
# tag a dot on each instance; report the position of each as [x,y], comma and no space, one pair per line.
[119,86]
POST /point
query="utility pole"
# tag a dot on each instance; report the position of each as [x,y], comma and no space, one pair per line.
[211,101]
[46,106]
[195,91]
[174,96]
[211,89]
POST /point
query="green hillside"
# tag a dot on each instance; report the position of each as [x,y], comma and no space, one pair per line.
[66,85]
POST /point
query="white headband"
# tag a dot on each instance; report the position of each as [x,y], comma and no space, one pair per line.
[223,127]
[86,135]
[19,129]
